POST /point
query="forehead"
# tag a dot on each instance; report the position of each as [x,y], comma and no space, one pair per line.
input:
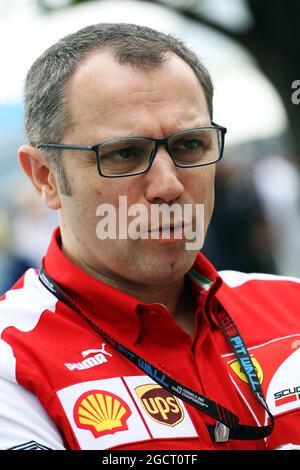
[106,97]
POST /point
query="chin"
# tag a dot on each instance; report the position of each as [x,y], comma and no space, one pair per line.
[167,265]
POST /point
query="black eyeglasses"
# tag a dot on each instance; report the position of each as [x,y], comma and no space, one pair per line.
[129,156]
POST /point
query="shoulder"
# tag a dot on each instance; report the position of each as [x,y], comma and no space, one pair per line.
[20,311]
[24,423]
[264,304]
[22,305]
[237,278]
[260,287]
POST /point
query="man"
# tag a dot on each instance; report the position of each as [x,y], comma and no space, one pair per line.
[130,342]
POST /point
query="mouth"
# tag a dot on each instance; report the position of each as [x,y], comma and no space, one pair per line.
[172,225]
[173,231]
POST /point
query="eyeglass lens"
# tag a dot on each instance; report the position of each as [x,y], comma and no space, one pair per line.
[133,155]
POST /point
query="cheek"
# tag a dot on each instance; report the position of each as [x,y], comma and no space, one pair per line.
[111,190]
[209,198]
[209,185]
[202,188]
[210,190]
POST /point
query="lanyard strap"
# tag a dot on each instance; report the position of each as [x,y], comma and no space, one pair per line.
[227,426]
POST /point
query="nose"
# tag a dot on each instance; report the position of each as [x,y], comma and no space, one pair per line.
[163,183]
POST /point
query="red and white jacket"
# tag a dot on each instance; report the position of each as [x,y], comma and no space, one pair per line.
[62,386]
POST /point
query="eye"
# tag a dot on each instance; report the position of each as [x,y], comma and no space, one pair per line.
[191,144]
[126,153]
[122,154]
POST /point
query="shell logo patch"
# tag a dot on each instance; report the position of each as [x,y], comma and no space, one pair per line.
[236,367]
[101,412]
[107,413]
[160,404]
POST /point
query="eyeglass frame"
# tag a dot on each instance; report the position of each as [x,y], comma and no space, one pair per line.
[157,142]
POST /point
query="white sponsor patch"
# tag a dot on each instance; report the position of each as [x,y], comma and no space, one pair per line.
[110,412]
[105,412]
[165,415]
[284,389]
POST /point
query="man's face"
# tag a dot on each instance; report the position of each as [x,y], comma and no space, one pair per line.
[107,101]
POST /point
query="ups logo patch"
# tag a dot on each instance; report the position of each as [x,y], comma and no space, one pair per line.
[160,404]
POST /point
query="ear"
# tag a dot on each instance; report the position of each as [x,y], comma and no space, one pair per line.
[40,174]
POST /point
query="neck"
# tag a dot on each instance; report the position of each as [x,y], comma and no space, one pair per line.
[174,295]
[173,292]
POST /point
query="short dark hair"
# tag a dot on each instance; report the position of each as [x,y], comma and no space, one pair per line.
[47,117]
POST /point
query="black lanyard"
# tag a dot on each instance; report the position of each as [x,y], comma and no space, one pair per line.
[227,426]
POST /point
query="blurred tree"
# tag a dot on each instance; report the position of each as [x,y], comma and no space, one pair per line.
[272,38]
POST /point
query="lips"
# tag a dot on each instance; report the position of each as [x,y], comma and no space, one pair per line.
[172,226]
